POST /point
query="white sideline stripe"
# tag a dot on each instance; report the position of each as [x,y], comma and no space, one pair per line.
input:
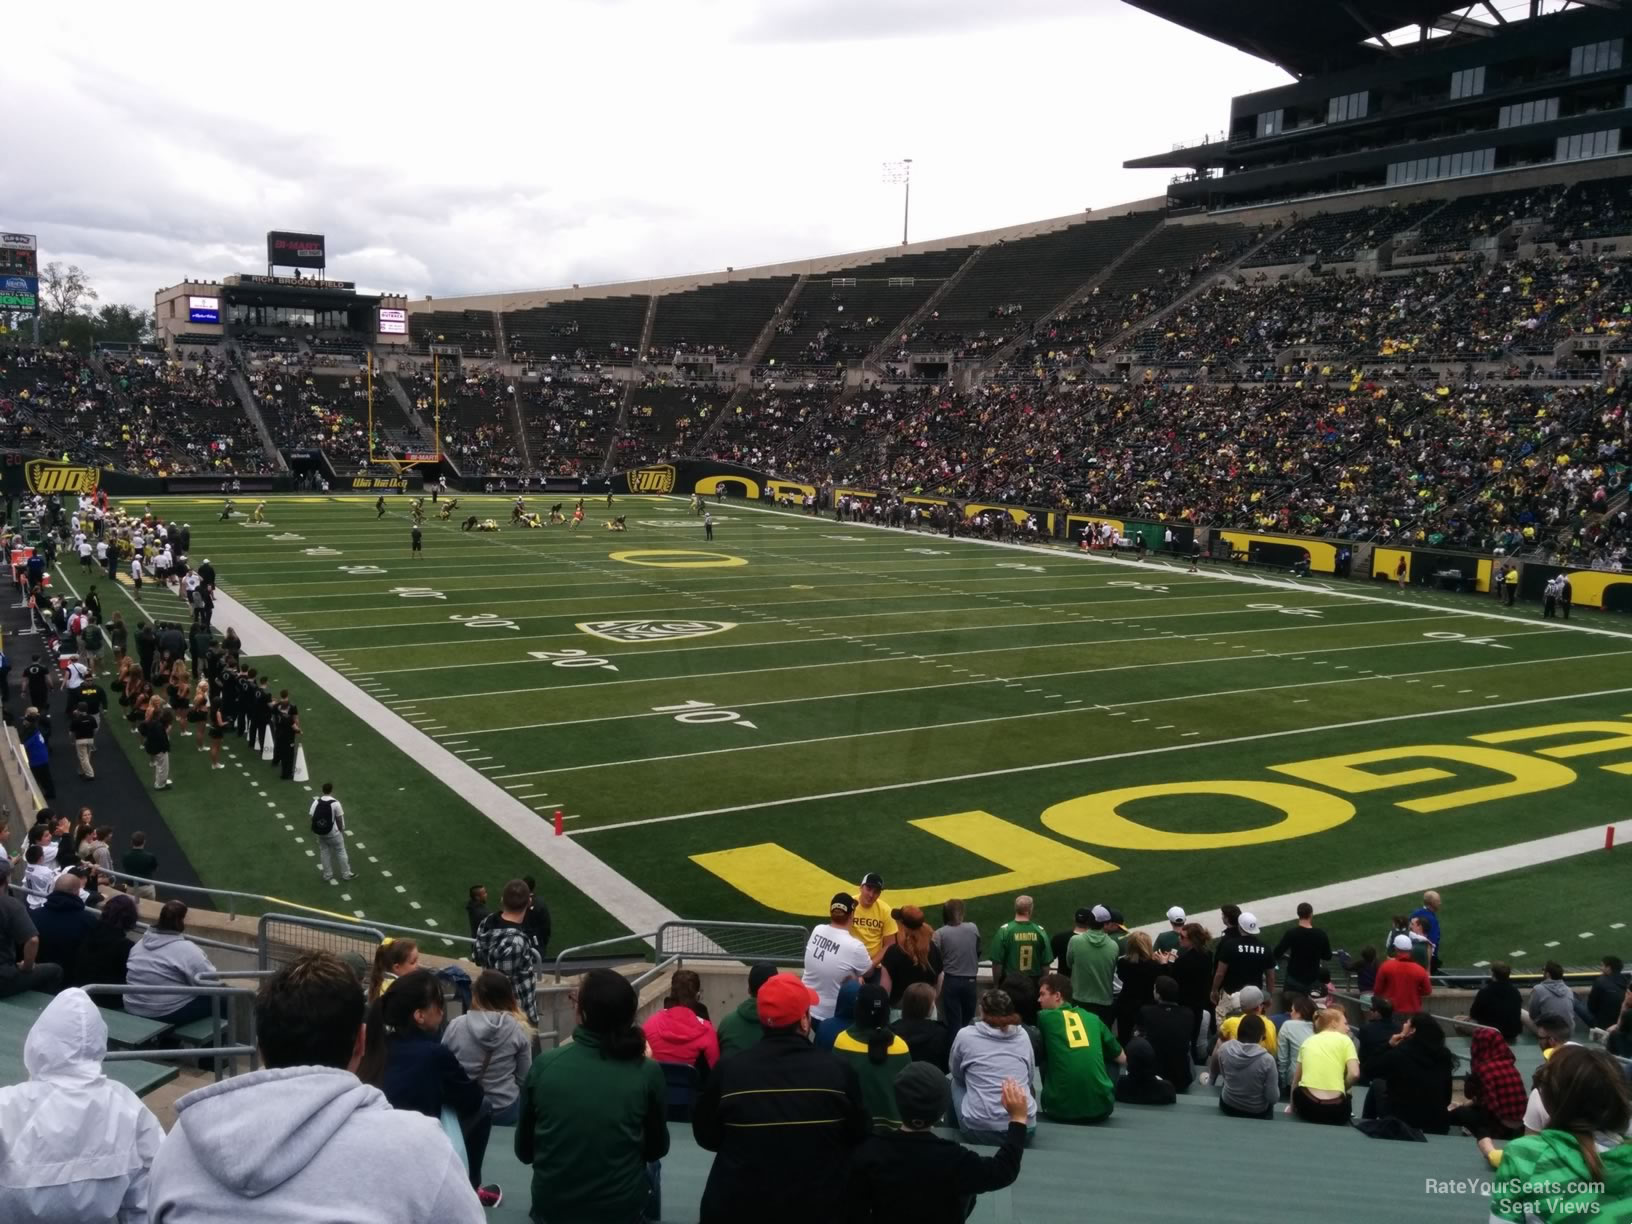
[1441,874]
[1091,760]
[635,909]
[939,654]
[1163,567]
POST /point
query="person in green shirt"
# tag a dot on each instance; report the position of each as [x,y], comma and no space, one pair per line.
[1168,940]
[1581,1163]
[877,1054]
[594,1114]
[739,1028]
[140,861]
[1091,957]
[1021,946]
[1076,1082]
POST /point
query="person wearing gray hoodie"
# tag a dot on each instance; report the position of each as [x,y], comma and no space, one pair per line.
[1248,1080]
[304,1138]
[165,957]
[985,1054]
[1551,997]
[492,1045]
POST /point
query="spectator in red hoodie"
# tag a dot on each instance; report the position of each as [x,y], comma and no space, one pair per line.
[678,1034]
[1402,980]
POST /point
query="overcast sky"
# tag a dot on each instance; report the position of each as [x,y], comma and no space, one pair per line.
[477,147]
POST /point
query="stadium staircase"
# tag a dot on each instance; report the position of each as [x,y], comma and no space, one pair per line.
[751,359]
[874,360]
[629,387]
[517,428]
[252,409]
[394,387]
[1003,355]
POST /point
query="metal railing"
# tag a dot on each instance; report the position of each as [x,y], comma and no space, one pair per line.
[783,943]
[220,1020]
[279,938]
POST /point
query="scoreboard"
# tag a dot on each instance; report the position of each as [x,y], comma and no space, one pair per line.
[19,272]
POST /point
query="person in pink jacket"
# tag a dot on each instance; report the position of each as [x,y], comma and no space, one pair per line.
[681,1033]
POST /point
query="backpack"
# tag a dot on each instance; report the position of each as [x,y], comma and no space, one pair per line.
[323,817]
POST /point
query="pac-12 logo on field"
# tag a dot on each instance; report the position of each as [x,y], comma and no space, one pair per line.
[653,630]
[659,478]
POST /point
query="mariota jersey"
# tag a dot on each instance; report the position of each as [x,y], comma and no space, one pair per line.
[1076,1085]
[1021,947]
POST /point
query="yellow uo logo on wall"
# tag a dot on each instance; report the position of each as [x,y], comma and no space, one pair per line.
[657,479]
[46,476]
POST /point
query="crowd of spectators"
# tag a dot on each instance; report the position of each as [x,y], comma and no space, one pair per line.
[308,410]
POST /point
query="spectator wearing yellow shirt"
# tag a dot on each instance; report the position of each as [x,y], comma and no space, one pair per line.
[1252,1003]
[873,923]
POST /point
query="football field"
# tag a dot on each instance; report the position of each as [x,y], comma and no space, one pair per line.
[740,727]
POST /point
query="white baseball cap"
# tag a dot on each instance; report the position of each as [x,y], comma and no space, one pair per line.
[1402,943]
[1175,915]
[1101,914]
[1248,924]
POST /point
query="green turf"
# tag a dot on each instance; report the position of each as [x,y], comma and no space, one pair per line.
[890,678]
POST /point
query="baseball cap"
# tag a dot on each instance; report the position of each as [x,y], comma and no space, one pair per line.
[1101,914]
[872,1007]
[1250,997]
[762,972]
[1402,943]
[783,999]
[873,880]
[842,903]
[1248,924]
[1084,916]
[1175,915]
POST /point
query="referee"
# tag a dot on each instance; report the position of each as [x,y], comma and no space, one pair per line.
[418,539]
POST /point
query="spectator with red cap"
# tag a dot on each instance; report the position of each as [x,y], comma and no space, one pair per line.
[779,1114]
[1402,981]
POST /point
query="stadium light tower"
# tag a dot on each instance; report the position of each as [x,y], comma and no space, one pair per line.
[901,172]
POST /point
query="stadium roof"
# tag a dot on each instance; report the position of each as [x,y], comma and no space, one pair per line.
[1313,36]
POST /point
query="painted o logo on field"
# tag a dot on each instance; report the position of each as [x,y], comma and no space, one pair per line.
[1095,818]
[678,558]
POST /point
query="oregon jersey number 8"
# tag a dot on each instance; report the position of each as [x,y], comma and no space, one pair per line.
[1076,1032]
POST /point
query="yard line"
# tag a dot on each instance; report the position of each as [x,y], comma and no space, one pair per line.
[828,796]
[945,654]
[1261,580]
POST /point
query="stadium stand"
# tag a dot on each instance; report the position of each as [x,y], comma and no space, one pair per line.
[475,416]
[846,315]
[1340,236]
[471,330]
[587,332]
[719,321]
[664,420]
[569,423]
[1015,283]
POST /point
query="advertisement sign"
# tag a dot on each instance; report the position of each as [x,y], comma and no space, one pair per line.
[290,282]
[19,292]
[393,322]
[203,310]
[46,476]
[19,242]
[289,250]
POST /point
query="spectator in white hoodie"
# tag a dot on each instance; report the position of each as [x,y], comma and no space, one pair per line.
[78,1146]
[494,1044]
[304,1139]
[166,957]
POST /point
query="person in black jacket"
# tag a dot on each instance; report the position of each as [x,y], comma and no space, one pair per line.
[1170,1028]
[1375,1036]
[779,1114]
[537,922]
[1498,1004]
[405,1059]
[910,1173]
[106,950]
[64,922]
[1602,1009]
[1412,1078]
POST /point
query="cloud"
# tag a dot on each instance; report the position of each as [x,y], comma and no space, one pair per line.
[822,21]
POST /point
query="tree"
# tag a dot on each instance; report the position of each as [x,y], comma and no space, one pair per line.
[64,292]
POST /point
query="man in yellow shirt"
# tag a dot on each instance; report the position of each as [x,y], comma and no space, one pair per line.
[1252,1001]
[872,923]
